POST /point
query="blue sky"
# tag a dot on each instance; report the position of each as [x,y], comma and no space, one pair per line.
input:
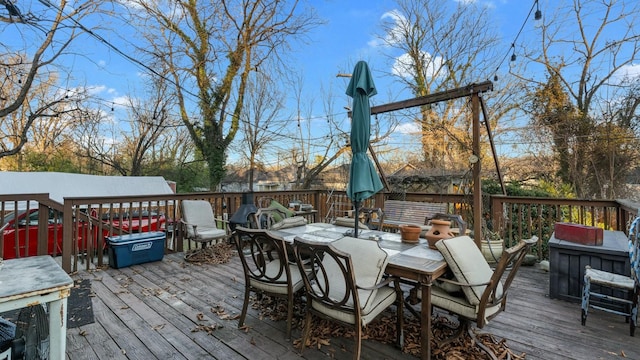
[332,48]
[348,36]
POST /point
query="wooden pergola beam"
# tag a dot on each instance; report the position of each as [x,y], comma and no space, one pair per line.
[473,91]
[434,98]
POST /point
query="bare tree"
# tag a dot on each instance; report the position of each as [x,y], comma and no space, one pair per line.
[262,123]
[209,49]
[436,46]
[148,120]
[29,68]
[315,151]
[95,137]
[132,150]
[605,42]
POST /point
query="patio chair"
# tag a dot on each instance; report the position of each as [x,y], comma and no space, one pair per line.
[475,293]
[267,269]
[199,223]
[615,293]
[346,289]
[373,218]
[275,219]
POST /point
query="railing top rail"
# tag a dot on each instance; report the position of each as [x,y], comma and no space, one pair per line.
[41,198]
[23,197]
[629,206]
[548,200]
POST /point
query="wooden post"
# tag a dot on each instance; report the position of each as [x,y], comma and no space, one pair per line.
[477,182]
[472,90]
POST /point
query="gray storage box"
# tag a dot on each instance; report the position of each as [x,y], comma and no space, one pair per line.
[567,261]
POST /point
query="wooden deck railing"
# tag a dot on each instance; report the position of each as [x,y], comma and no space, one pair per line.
[513,218]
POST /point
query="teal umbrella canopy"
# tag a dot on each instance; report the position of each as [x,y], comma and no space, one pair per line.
[364,181]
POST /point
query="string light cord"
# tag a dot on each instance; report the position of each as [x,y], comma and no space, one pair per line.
[120,52]
[137,62]
[144,66]
[538,15]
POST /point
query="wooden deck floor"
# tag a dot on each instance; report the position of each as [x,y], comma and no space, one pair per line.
[150,311]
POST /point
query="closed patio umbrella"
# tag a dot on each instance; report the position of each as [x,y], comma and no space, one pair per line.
[364,181]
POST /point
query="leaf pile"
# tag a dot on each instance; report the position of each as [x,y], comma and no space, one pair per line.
[383,330]
[219,253]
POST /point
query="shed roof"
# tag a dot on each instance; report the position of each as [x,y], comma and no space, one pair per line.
[61,185]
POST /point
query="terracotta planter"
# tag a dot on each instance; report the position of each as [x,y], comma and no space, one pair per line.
[410,233]
[440,229]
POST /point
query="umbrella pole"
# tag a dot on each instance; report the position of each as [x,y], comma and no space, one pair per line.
[356,205]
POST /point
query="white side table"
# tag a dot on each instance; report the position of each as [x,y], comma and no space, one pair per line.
[38,280]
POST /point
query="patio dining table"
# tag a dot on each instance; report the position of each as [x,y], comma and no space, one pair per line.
[412,261]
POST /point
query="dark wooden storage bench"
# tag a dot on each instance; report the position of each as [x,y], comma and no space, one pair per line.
[568,260]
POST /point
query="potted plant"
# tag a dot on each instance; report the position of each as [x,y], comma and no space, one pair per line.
[492,245]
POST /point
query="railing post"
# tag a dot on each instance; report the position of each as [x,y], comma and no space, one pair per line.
[496,214]
[316,205]
[43,224]
[67,235]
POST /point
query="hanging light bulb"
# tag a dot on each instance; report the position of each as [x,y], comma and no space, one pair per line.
[495,77]
[538,14]
[513,57]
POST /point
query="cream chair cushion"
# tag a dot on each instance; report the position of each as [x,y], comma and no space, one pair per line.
[468,266]
[458,304]
[609,279]
[369,262]
[272,269]
[200,214]
[384,297]
[289,222]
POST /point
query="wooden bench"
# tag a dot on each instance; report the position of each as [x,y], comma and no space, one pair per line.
[398,212]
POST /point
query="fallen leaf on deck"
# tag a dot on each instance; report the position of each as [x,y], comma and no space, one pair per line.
[383,330]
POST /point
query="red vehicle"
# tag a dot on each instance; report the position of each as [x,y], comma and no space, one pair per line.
[25,227]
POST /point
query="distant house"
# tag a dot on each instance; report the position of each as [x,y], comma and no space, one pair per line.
[237,179]
[334,178]
[408,178]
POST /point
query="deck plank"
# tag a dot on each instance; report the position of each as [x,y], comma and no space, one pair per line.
[150,310]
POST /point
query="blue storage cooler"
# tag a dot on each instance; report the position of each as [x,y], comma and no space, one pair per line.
[132,249]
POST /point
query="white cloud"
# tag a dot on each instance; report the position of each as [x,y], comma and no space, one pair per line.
[404,65]
[135,5]
[121,101]
[628,72]
[95,89]
[394,35]
[408,129]
[170,8]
